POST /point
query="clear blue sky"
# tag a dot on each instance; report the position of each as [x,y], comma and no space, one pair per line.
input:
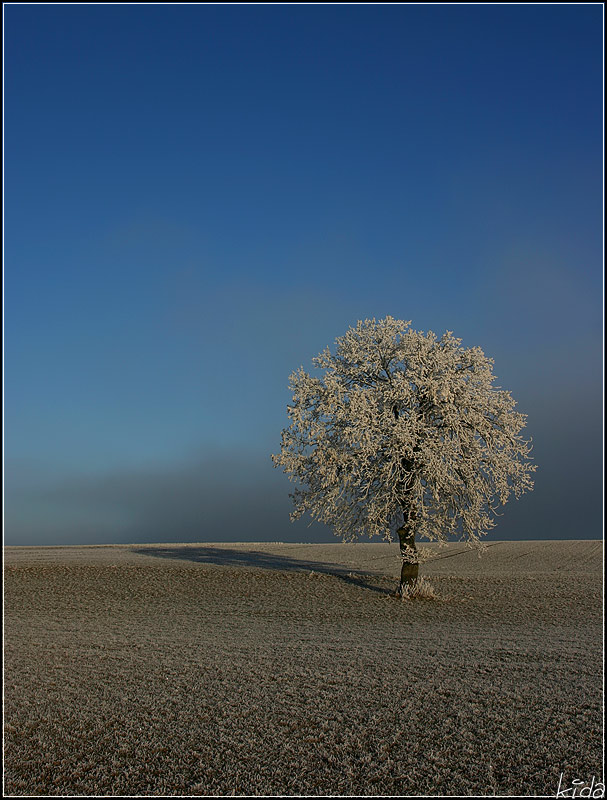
[199,198]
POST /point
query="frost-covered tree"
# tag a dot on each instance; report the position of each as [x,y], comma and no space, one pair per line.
[404,433]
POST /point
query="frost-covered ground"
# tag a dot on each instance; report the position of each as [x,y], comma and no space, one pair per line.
[288,669]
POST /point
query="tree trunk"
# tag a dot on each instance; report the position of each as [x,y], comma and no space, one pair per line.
[406,533]
[410,567]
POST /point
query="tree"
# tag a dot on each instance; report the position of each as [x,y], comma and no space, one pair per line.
[403,432]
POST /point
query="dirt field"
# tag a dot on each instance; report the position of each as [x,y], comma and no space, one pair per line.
[288,669]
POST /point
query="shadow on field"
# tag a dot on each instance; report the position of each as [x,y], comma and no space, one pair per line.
[253,558]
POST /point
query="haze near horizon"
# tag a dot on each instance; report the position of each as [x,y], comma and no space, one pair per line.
[200,198]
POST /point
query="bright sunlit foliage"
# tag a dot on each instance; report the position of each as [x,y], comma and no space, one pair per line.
[399,425]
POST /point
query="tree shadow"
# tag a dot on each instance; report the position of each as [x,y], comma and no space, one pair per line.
[225,557]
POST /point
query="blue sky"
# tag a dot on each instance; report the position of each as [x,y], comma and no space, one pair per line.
[199,198]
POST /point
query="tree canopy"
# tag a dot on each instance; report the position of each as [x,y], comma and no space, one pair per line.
[401,424]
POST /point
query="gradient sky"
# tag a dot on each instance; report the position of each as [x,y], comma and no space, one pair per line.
[199,198]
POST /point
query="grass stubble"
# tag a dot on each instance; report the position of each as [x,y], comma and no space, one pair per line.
[133,670]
